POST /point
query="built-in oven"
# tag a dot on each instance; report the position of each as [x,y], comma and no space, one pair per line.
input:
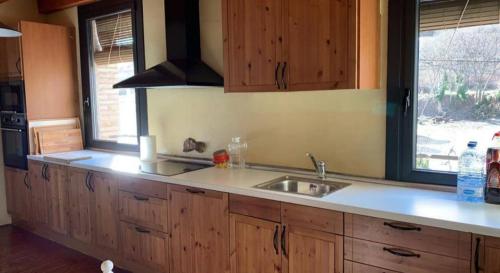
[14,140]
[12,99]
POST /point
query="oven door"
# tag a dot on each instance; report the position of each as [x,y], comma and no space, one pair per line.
[12,97]
[15,148]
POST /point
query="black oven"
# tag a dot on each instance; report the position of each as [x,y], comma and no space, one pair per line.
[12,99]
[14,140]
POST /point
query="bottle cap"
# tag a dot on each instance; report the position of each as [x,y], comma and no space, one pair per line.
[236,139]
[472,144]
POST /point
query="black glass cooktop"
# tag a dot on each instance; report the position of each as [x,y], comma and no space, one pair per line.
[170,167]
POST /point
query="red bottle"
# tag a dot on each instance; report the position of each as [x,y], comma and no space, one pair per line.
[492,186]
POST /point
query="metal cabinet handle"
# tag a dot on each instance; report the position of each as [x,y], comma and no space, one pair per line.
[283,241]
[45,172]
[26,181]
[275,240]
[140,198]
[11,130]
[276,75]
[402,226]
[195,191]
[141,230]
[476,256]
[88,181]
[91,182]
[18,65]
[283,76]
[401,252]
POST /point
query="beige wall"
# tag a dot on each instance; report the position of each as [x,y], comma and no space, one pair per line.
[345,128]
[11,12]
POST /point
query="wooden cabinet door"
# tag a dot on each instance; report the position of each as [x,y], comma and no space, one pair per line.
[318,45]
[254,245]
[144,211]
[485,254]
[57,194]
[39,186]
[252,44]
[105,222]
[79,195]
[312,251]
[48,6]
[49,68]
[145,246]
[17,193]
[10,66]
[199,223]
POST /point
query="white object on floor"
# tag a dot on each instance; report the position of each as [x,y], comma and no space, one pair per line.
[107,266]
[148,148]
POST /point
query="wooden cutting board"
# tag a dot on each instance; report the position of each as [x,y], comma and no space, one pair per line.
[63,140]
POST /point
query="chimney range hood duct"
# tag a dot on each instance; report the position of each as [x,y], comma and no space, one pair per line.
[184,67]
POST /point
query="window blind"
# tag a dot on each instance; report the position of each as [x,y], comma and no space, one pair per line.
[446,14]
[113,39]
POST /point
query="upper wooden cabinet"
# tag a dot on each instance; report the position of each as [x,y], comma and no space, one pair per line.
[48,6]
[49,70]
[297,45]
[10,66]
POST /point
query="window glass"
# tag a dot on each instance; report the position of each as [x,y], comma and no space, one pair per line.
[458,80]
[114,110]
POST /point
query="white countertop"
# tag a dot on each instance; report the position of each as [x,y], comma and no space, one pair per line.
[419,206]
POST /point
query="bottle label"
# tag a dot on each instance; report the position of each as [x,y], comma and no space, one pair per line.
[493,178]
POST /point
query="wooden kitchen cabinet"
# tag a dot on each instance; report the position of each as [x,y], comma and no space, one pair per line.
[49,71]
[199,221]
[300,45]
[485,254]
[18,193]
[39,189]
[145,246]
[80,205]
[144,211]
[10,66]
[57,197]
[254,245]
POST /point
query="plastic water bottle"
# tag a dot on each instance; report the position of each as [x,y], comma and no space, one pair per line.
[470,179]
[237,152]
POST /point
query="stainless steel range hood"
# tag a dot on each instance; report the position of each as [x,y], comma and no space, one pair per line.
[184,67]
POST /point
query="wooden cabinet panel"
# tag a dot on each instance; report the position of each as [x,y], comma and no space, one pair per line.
[10,66]
[39,186]
[486,254]
[402,259]
[48,6]
[255,245]
[313,251]
[49,71]
[199,221]
[57,194]
[18,193]
[252,44]
[79,206]
[312,218]
[144,246]
[350,267]
[144,211]
[255,207]
[105,222]
[424,238]
[317,44]
[144,187]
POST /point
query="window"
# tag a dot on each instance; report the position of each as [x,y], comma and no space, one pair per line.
[112,50]
[443,85]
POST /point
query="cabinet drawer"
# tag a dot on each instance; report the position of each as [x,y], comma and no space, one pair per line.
[352,267]
[144,246]
[423,238]
[255,207]
[143,210]
[313,218]
[401,259]
[145,187]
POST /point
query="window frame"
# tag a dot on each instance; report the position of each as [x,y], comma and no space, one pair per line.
[402,64]
[89,12]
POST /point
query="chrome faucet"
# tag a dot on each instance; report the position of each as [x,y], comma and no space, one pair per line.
[319,166]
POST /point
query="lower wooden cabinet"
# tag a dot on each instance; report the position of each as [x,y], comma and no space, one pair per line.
[313,251]
[56,177]
[39,186]
[93,208]
[486,254]
[199,221]
[351,267]
[145,246]
[255,245]
[18,193]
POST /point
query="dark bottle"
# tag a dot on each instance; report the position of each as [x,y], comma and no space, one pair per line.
[492,185]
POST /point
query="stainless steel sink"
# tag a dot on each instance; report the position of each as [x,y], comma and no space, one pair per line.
[303,186]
